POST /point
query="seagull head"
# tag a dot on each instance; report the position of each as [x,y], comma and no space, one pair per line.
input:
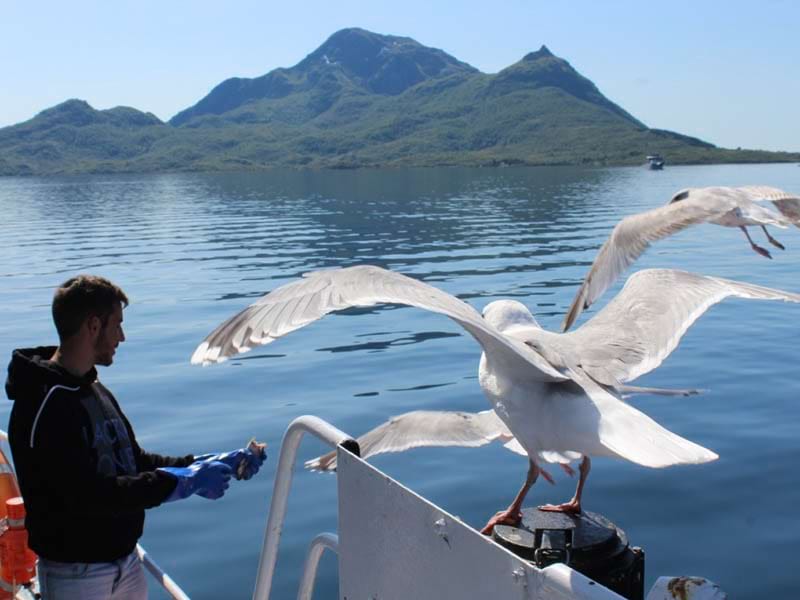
[504,314]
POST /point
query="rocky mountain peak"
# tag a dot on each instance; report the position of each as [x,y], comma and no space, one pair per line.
[384,64]
[543,52]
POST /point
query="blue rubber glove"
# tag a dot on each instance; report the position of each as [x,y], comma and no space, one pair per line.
[244,462]
[205,478]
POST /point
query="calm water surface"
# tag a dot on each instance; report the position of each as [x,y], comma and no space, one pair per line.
[190,250]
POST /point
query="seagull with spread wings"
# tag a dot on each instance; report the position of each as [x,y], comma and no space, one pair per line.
[555,397]
[727,206]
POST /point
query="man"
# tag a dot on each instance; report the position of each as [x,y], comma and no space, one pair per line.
[85,481]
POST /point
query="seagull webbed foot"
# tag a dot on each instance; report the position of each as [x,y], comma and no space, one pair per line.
[762,251]
[504,517]
[573,507]
[776,243]
[772,240]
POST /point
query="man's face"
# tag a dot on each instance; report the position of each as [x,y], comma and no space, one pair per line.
[109,338]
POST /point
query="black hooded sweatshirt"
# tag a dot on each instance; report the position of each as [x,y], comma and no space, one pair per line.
[84,479]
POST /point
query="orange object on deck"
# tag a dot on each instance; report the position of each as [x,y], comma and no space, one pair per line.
[17,561]
[8,484]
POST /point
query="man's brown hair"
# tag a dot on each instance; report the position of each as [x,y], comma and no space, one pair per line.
[81,297]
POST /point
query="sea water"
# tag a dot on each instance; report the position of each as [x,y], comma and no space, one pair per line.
[191,250]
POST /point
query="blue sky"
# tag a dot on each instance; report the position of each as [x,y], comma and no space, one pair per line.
[725,71]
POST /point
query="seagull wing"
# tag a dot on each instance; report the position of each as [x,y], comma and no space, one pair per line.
[765,192]
[789,208]
[634,234]
[299,303]
[643,324]
[427,428]
[788,204]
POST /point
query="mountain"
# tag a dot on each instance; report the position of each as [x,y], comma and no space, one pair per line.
[74,137]
[363,100]
[351,61]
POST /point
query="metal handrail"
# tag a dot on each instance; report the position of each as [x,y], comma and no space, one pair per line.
[280,492]
[324,541]
[172,588]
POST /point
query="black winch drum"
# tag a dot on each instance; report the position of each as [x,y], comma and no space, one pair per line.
[588,543]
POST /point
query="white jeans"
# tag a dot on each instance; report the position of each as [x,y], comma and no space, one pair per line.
[122,579]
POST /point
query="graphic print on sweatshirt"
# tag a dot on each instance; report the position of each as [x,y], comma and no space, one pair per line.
[108,436]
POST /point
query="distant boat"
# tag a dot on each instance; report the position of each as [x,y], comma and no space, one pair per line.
[655,162]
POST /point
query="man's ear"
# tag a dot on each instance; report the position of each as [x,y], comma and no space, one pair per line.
[93,325]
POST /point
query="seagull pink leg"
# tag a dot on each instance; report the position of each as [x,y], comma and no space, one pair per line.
[772,240]
[512,515]
[754,246]
[573,506]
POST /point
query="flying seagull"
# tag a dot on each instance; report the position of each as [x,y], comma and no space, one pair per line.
[557,394]
[727,206]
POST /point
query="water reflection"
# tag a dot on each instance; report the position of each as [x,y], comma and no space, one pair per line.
[415,338]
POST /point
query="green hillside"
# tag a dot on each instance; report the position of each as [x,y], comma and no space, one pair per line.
[362,100]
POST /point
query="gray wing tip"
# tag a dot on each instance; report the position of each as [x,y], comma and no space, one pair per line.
[199,355]
[707,456]
[322,464]
[579,304]
[206,355]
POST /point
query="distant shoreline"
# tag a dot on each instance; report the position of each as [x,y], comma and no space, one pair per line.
[389,167]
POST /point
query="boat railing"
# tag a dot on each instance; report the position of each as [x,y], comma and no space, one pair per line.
[324,541]
[166,582]
[280,495]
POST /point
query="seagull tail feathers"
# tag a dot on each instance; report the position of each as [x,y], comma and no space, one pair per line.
[639,439]
[632,435]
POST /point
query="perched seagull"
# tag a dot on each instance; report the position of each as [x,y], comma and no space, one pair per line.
[556,395]
[726,206]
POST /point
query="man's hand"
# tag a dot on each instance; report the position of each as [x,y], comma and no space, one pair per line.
[244,462]
[204,478]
